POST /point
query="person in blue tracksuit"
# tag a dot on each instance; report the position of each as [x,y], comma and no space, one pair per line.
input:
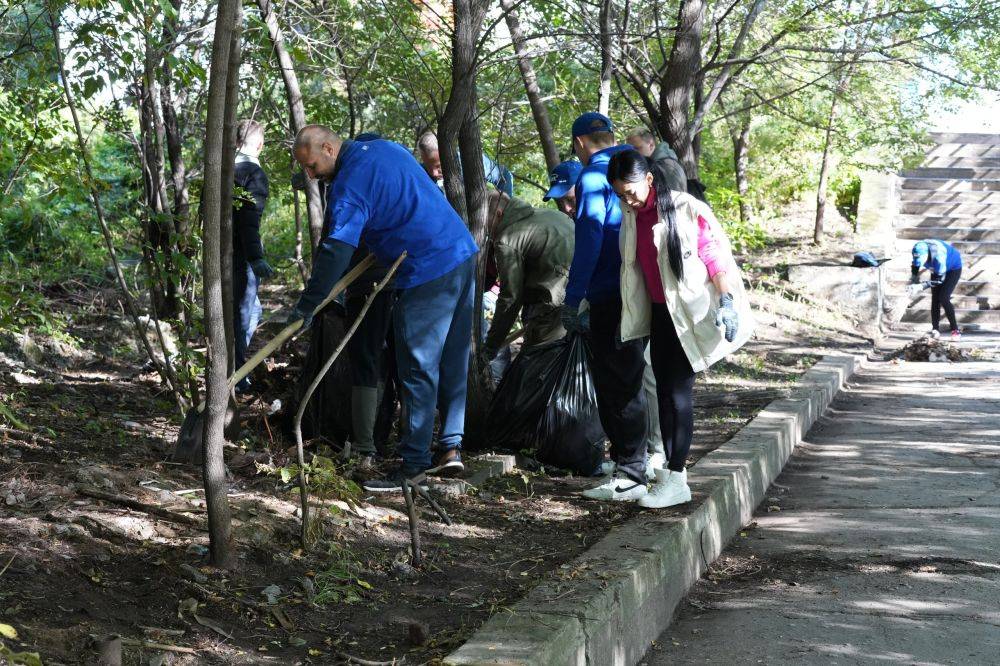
[594,275]
[945,264]
[380,195]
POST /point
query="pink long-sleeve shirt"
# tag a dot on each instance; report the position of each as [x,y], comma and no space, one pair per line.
[709,249]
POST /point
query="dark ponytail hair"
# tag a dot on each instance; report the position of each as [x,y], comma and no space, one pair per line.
[629,166]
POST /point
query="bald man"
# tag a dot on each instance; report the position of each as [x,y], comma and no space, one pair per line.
[378,193]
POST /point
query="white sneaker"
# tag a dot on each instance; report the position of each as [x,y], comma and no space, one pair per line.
[934,333]
[654,462]
[619,488]
[670,489]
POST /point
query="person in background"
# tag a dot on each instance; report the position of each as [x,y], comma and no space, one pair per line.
[532,249]
[249,266]
[381,195]
[594,275]
[497,175]
[562,188]
[368,347]
[945,264]
[680,286]
[643,140]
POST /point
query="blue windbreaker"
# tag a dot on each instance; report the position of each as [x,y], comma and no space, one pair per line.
[594,273]
[936,256]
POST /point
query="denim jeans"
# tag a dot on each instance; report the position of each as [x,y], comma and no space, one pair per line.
[247,310]
[433,327]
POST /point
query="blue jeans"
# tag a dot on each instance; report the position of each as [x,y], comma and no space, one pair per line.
[247,310]
[433,328]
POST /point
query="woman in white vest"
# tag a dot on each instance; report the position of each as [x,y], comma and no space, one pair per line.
[681,287]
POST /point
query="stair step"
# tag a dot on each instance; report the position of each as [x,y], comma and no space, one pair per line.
[961,302]
[951,184]
[956,150]
[942,221]
[985,173]
[949,233]
[960,162]
[951,209]
[966,138]
[933,196]
[922,315]
[973,288]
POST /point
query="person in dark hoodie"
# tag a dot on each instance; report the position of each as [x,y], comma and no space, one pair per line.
[249,266]
[643,141]
[617,367]
[532,248]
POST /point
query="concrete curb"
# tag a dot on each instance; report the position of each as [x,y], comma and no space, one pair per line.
[608,605]
[481,468]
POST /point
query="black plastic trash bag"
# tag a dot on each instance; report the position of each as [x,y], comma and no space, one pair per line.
[546,403]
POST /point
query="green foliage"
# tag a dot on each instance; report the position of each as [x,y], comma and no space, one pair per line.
[340,581]
[846,195]
[324,479]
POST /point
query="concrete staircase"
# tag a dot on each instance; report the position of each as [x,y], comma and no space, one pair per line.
[954,196]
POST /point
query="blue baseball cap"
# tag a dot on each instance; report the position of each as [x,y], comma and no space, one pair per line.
[591,122]
[562,179]
[921,249]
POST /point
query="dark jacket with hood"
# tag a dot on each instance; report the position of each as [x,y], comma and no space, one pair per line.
[533,249]
[666,158]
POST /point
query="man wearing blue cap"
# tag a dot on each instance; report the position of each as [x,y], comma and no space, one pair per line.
[594,275]
[945,265]
[380,195]
[562,186]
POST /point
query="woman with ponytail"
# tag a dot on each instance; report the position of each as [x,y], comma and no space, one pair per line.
[680,286]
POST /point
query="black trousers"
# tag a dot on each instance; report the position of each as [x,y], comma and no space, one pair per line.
[941,297]
[367,348]
[674,387]
[617,368]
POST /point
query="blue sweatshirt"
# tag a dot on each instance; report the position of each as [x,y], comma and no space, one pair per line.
[936,255]
[383,196]
[594,273]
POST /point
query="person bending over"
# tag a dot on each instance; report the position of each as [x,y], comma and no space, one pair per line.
[945,264]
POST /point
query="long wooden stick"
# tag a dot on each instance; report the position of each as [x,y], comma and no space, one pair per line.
[290,330]
[303,488]
[159,511]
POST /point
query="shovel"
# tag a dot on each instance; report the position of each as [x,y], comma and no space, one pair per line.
[189,447]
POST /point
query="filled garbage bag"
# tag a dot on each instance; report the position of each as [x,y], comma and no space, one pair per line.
[546,403]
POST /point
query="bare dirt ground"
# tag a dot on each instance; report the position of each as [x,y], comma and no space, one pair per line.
[78,417]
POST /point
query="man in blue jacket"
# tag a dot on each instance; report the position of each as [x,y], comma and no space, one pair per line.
[594,275]
[379,194]
[945,265]
[497,174]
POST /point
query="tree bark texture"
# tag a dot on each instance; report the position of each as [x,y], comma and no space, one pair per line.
[741,140]
[226,206]
[677,83]
[531,89]
[217,391]
[296,112]
[604,90]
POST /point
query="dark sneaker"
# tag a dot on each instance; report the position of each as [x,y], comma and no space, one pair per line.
[448,463]
[393,481]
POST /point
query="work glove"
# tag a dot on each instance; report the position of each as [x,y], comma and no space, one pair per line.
[573,320]
[303,312]
[261,269]
[726,316]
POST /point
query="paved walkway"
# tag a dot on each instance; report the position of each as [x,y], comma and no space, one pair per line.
[878,544]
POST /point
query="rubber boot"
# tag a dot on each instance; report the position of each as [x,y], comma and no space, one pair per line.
[364,410]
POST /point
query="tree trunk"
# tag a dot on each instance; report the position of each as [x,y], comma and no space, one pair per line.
[604,94]
[296,112]
[175,143]
[226,210]
[213,198]
[678,80]
[531,89]
[741,140]
[824,171]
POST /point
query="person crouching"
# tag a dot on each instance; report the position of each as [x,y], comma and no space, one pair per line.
[681,287]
